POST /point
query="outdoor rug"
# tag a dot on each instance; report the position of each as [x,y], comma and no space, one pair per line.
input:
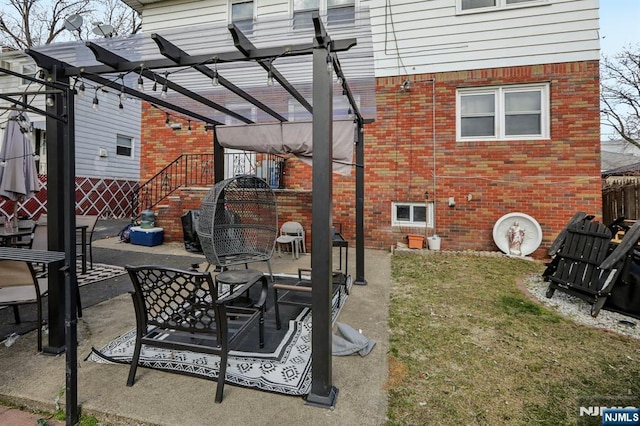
[99,272]
[285,369]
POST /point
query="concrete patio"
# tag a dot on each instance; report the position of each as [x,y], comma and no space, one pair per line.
[35,380]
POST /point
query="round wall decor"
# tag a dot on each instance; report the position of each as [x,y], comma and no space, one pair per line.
[517,234]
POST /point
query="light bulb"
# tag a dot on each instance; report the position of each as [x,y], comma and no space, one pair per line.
[155,85]
[166,122]
[95,105]
[329,64]
[140,84]
[214,79]
[188,127]
[50,101]
[120,107]
[81,89]
[123,95]
[269,78]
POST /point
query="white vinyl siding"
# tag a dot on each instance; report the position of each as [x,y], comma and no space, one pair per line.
[415,37]
[502,113]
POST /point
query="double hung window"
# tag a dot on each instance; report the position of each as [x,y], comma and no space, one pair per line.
[337,12]
[124,146]
[506,112]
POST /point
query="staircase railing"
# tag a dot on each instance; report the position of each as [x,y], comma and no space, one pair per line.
[197,170]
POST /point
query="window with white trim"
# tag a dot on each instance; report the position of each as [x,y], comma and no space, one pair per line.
[239,162]
[501,113]
[124,146]
[483,5]
[337,12]
[412,214]
[29,70]
[242,13]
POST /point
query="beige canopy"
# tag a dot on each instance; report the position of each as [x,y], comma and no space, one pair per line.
[291,138]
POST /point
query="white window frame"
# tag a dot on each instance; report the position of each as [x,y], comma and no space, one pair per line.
[499,111]
[118,144]
[411,223]
[500,5]
[237,160]
[253,14]
[30,70]
[323,10]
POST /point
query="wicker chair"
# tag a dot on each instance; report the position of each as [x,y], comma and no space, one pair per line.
[238,222]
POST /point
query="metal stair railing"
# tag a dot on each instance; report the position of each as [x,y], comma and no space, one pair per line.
[197,170]
[186,170]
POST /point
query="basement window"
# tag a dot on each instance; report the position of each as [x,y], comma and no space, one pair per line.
[412,214]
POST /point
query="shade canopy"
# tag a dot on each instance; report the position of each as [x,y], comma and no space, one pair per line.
[291,138]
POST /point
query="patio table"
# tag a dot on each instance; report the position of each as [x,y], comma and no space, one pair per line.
[7,238]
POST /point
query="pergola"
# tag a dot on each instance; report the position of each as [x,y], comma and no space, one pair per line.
[196,68]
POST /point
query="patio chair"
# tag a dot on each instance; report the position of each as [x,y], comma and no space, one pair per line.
[178,309]
[90,222]
[238,223]
[587,268]
[299,293]
[292,233]
[19,286]
[559,241]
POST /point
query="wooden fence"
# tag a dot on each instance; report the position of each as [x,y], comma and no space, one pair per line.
[620,198]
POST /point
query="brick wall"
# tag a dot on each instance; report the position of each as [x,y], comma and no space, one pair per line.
[549,180]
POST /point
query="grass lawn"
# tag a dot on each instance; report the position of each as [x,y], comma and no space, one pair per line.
[467,346]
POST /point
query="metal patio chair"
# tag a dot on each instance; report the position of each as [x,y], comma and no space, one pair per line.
[178,309]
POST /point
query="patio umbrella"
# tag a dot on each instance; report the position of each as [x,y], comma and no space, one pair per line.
[18,176]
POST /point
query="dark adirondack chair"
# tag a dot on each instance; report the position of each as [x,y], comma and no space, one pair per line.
[559,241]
[586,266]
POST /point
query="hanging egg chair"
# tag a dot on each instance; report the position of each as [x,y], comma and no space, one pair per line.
[238,222]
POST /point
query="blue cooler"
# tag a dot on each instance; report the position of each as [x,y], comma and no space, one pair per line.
[146,236]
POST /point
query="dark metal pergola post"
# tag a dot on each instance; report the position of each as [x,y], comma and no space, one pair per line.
[360,279]
[323,393]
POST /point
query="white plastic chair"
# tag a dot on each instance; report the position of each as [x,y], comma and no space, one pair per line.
[292,233]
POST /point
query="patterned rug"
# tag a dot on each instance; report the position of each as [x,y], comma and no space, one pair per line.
[99,272]
[286,370]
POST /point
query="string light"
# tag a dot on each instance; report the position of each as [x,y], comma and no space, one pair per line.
[120,106]
[167,122]
[329,64]
[155,83]
[96,103]
[188,127]
[350,113]
[214,79]
[270,75]
[50,101]
[163,94]
[81,89]
[140,82]
[122,94]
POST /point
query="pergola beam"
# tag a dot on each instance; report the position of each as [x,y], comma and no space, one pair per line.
[117,62]
[177,55]
[244,45]
[44,61]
